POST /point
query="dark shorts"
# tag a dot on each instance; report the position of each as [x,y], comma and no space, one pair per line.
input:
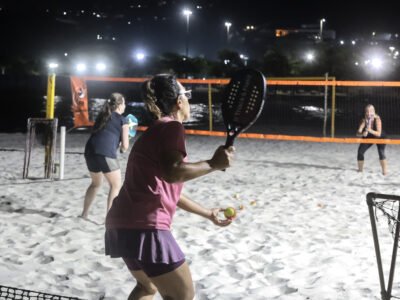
[151,269]
[153,251]
[99,163]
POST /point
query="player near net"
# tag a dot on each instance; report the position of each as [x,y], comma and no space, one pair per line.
[139,221]
[371,127]
[110,132]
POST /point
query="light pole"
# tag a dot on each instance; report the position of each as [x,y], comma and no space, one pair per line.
[321,28]
[228,26]
[187,13]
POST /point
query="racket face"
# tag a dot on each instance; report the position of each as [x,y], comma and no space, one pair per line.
[132,124]
[243,101]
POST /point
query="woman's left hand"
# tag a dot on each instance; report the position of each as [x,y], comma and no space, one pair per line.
[215,218]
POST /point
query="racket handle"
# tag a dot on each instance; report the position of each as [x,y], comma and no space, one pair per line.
[229,140]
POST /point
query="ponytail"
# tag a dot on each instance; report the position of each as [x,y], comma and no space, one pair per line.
[160,94]
[108,108]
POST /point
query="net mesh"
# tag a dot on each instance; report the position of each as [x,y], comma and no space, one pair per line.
[390,209]
[11,293]
[303,108]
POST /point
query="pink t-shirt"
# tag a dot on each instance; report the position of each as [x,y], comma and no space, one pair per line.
[146,200]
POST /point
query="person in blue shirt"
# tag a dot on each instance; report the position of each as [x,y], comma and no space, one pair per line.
[110,132]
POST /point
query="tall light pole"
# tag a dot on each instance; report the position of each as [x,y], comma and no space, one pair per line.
[228,26]
[187,13]
[321,28]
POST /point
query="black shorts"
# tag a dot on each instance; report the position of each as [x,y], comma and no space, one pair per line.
[100,163]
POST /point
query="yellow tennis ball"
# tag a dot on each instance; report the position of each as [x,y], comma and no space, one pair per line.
[230,213]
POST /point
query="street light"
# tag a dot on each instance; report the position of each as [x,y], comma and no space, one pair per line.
[321,27]
[227,25]
[245,59]
[377,63]
[100,66]
[81,67]
[140,56]
[310,57]
[187,13]
[52,66]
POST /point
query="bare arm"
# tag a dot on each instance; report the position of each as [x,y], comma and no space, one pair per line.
[378,130]
[190,206]
[174,169]
[124,138]
[360,130]
[211,214]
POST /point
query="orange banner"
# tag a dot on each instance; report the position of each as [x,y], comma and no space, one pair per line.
[80,102]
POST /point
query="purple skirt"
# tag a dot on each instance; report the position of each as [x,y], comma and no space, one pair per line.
[145,245]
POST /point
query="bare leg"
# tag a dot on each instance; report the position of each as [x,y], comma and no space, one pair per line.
[360,165]
[384,166]
[144,289]
[175,285]
[114,180]
[91,192]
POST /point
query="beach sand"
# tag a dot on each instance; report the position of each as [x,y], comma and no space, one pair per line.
[303,233]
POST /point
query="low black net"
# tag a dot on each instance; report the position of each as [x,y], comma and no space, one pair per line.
[10,293]
[388,208]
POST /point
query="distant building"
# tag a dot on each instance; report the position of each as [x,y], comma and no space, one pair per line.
[307,32]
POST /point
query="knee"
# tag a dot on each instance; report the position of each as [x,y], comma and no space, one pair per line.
[95,185]
[116,186]
[149,288]
[143,290]
[360,156]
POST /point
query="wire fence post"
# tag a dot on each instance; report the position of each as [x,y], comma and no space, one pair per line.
[210,110]
[333,108]
[325,105]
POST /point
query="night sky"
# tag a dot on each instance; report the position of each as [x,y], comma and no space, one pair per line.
[25,27]
[342,16]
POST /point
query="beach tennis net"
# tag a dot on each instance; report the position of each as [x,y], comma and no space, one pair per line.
[316,106]
[11,293]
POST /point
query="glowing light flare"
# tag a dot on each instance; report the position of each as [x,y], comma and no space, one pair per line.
[101,66]
[310,57]
[187,12]
[53,65]
[376,63]
[81,67]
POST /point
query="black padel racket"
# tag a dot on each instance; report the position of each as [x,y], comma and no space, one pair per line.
[243,102]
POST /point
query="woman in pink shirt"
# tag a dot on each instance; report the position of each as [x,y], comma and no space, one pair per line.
[139,221]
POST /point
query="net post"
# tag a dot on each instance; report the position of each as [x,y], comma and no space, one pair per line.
[62,151]
[51,86]
[394,255]
[370,197]
[325,105]
[333,107]
[210,111]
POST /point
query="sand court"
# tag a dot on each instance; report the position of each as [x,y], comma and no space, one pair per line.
[303,233]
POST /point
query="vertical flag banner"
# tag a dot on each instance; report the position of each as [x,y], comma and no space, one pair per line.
[80,102]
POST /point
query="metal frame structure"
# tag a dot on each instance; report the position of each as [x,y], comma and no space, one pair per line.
[386,293]
[50,145]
